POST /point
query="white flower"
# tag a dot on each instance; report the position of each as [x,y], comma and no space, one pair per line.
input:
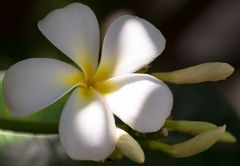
[87,126]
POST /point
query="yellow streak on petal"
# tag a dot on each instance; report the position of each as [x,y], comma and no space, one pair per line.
[86,93]
[104,71]
[71,79]
[105,87]
[87,65]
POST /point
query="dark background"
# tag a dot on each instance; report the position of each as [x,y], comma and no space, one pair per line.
[196,32]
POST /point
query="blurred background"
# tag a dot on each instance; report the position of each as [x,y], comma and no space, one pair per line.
[196,32]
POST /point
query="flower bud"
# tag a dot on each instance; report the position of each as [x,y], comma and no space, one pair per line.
[197,127]
[129,146]
[214,71]
[191,147]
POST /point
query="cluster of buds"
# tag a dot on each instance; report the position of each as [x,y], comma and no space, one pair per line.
[204,134]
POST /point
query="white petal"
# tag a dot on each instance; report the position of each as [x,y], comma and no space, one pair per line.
[87,127]
[33,84]
[139,100]
[130,44]
[75,31]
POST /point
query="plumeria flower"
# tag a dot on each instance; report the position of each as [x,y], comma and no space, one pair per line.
[87,128]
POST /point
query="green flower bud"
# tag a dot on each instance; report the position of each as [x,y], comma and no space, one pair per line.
[197,127]
[214,71]
[129,146]
[191,147]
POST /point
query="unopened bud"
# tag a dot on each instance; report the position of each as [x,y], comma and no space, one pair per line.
[196,127]
[165,132]
[191,147]
[129,146]
[214,71]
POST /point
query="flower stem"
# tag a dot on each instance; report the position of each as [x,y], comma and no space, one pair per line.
[29,126]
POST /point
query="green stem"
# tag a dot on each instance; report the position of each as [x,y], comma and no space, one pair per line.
[29,126]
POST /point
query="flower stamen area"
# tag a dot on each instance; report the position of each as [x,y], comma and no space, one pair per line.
[103,87]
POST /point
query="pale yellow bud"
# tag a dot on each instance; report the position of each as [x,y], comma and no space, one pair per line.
[191,147]
[214,71]
[164,132]
[197,127]
[129,146]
